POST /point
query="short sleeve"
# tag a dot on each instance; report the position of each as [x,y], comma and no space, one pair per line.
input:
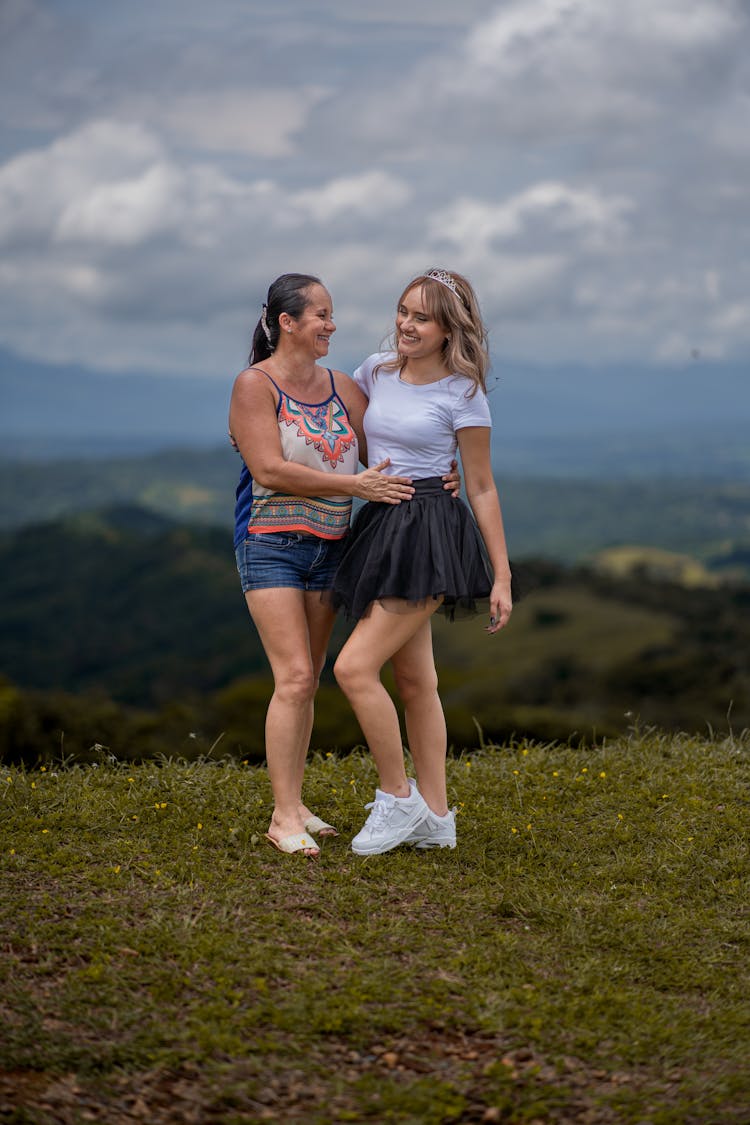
[469,409]
[360,378]
[363,375]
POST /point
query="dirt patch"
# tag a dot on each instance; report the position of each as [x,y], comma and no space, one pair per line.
[489,1080]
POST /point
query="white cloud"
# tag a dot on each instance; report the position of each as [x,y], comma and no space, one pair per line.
[566,31]
[34,184]
[367,195]
[584,161]
[258,122]
[734,318]
[124,213]
[596,221]
[605,78]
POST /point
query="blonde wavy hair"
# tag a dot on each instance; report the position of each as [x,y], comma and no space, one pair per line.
[465,350]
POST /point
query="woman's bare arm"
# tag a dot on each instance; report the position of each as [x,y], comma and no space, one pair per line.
[481,491]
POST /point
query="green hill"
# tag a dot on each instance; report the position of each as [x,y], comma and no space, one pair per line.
[121,626]
[549,517]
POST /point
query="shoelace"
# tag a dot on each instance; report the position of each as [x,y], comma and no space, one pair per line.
[379,814]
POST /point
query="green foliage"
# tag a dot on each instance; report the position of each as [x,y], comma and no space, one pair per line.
[571,520]
[188,484]
[580,957]
[585,652]
[546,514]
[126,603]
[135,637]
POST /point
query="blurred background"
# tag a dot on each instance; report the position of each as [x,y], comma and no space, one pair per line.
[584,163]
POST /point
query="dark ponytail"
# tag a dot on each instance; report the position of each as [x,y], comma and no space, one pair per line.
[287,294]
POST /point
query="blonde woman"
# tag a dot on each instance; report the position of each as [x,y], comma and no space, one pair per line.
[401,564]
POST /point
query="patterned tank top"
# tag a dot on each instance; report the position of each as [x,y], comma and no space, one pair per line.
[320,436]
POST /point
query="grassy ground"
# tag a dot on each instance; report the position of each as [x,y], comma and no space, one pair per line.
[582,956]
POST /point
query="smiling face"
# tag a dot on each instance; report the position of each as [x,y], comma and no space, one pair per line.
[315,326]
[418,334]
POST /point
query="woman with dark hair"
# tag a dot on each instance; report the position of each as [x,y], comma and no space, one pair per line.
[298,427]
[426,398]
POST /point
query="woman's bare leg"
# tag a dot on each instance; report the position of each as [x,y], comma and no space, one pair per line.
[374,640]
[417,685]
[294,630]
[320,621]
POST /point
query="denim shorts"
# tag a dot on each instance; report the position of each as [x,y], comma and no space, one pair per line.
[282,558]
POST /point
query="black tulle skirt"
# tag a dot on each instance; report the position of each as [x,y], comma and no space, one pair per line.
[425,548]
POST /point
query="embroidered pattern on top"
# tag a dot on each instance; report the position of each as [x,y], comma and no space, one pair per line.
[326,518]
[325,425]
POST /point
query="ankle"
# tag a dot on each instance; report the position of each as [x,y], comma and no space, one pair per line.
[286,820]
[400,792]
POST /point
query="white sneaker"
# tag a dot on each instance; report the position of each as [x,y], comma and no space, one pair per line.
[391,821]
[435,831]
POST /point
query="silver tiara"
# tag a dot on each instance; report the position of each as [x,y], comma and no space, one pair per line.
[444,279]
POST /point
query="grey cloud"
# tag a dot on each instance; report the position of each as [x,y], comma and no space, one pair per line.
[584,161]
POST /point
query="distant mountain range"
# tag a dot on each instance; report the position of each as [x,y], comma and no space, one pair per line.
[615,423]
[552,516]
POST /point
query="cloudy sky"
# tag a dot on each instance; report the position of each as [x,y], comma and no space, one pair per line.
[585,162]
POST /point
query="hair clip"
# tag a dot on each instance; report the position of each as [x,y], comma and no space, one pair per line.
[264,323]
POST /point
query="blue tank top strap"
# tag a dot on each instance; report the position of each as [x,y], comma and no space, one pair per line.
[278,388]
[271,378]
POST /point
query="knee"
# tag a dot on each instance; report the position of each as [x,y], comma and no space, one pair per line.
[410,686]
[349,675]
[341,671]
[297,685]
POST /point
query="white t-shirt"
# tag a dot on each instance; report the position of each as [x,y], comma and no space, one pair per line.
[416,425]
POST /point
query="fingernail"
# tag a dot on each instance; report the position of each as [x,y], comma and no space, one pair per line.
[493,621]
